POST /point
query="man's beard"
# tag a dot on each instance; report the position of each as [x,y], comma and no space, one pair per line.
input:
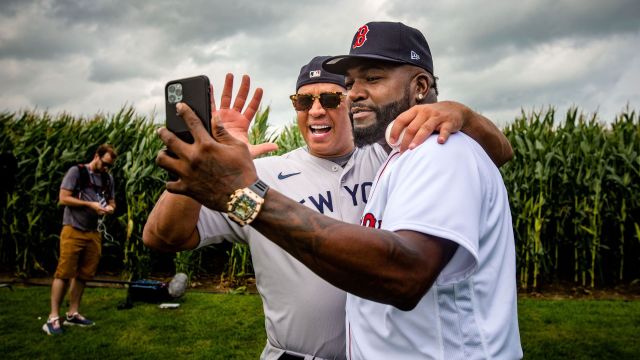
[384,115]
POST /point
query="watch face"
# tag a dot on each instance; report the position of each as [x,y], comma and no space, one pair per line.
[244,206]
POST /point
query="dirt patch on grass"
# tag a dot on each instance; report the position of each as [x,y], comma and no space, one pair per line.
[213,283]
[570,291]
[247,284]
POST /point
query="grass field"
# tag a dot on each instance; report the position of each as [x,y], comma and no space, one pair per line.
[206,326]
[579,329]
[215,326]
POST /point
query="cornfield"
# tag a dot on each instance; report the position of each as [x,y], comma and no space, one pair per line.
[573,188]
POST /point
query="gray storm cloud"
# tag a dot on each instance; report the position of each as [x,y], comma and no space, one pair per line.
[496,57]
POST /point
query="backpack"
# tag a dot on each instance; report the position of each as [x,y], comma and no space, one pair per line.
[85,181]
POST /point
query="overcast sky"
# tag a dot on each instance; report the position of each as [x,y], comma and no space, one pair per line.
[497,57]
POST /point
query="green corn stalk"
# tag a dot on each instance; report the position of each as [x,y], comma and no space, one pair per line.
[573,188]
[239,264]
[578,197]
[187,262]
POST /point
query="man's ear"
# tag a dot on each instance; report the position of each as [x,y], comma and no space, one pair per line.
[421,86]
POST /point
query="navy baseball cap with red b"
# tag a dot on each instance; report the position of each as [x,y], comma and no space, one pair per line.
[386,41]
[312,73]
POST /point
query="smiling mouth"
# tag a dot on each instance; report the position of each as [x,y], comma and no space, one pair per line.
[319,129]
[360,110]
[361,115]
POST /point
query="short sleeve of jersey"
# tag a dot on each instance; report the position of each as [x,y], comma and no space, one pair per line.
[214,227]
[435,189]
[71,179]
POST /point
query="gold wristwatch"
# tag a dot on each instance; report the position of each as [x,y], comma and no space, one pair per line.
[245,204]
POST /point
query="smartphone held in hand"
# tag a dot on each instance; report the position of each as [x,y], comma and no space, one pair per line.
[195,92]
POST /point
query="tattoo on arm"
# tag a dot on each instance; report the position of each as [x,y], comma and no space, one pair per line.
[371,263]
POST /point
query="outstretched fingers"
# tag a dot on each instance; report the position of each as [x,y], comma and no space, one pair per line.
[253,106]
[225,99]
[243,93]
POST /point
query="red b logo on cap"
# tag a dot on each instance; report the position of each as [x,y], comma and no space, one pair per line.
[361,36]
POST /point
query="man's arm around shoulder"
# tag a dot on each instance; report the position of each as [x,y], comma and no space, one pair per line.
[488,135]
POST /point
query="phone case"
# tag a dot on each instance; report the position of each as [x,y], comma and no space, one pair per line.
[193,91]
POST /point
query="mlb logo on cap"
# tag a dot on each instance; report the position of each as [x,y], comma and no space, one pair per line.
[312,73]
[386,41]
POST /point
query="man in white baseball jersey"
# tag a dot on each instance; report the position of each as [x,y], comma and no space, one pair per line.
[304,315]
[464,305]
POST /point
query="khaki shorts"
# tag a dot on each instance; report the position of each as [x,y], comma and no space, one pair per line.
[79,253]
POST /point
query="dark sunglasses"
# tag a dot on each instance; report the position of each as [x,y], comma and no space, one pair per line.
[106,164]
[328,100]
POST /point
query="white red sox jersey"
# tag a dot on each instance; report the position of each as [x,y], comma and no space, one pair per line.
[304,314]
[452,191]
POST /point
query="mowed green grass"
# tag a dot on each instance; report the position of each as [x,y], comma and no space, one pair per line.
[579,329]
[206,326]
[216,326]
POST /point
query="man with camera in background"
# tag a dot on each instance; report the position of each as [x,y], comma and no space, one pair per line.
[87,193]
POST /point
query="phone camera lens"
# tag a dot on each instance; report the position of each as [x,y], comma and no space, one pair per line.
[172,89]
[172,99]
[179,92]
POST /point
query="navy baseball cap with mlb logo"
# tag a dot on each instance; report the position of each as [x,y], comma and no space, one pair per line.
[386,41]
[313,73]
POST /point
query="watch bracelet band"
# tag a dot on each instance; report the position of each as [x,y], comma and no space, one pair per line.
[259,187]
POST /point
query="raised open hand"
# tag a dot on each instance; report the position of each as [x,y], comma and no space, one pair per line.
[233,119]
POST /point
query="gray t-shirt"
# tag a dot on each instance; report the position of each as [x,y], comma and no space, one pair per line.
[82,217]
[304,314]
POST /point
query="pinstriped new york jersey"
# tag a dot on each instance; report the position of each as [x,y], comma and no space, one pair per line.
[452,191]
[303,313]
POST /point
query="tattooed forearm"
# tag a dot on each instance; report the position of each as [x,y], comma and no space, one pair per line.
[282,220]
[375,264]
